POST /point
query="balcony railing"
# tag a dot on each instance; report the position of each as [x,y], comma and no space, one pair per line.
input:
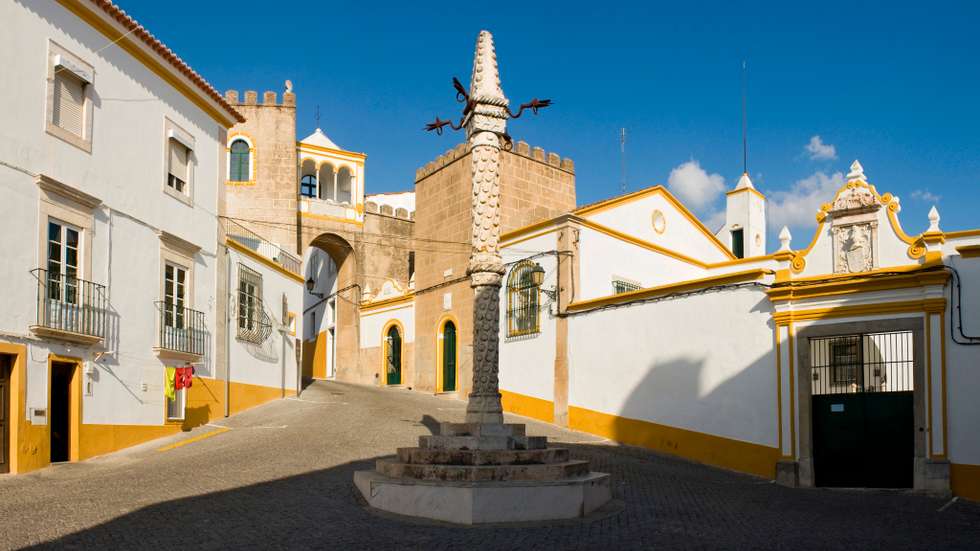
[182,330]
[69,308]
[251,240]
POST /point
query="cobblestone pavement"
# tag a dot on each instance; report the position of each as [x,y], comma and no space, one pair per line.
[282,478]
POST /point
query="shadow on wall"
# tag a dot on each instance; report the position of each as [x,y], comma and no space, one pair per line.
[719,417]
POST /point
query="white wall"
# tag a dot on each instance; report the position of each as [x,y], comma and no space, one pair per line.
[373,323]
[269,363]
[704,363]
[527,363]
[125,170]
[317,264]
[963,365]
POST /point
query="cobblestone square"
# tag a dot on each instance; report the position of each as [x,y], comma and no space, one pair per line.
[281,477]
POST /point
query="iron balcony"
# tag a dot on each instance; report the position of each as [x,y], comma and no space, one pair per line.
[181,332]
[69,308]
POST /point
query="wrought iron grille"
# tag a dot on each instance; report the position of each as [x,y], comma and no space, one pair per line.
[254,324]
[181,329]
[523,301]
[870,362]
[70,304]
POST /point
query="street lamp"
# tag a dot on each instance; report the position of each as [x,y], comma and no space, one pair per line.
[537,279]
[310,284]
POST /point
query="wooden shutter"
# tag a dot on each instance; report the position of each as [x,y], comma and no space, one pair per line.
[178,160]
[69,102]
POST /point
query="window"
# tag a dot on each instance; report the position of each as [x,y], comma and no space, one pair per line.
[523,298]
[624,286]
[62,279]
[175,407]
[344,185]
[738,243]
[307,186]
[239,161]
[250,311]
[178,171]
[174,295]
[328,182]
[68,111]
[411,265]
[845,359]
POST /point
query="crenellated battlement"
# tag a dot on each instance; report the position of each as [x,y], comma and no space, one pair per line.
[372,207]
[520,148]
[269,98]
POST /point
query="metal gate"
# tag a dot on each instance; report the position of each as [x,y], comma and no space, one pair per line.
[863,416]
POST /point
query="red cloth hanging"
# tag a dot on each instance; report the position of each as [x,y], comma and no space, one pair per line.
[184,377]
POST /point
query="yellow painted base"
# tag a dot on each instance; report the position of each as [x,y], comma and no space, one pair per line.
[95,440]
[703,448]
[528,406]
[964,480]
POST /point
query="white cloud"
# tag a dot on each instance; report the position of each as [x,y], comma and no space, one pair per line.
[925,196]
[713,219]
[695,187]
[798,207]
[820,151]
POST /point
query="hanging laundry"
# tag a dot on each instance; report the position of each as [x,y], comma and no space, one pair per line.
[170,385]
[185,377]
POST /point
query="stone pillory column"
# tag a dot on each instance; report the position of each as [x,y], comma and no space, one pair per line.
[483,470]
[485,123]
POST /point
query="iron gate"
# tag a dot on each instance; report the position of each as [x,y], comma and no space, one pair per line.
[863,417]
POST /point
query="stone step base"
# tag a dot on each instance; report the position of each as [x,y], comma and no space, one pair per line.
[482,457]
[483,473]
[443,442]
[485,502]
[481,429]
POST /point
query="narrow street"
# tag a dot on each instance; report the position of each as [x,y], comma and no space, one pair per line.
[280,476]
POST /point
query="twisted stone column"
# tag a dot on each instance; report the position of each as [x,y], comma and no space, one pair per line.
[485,124]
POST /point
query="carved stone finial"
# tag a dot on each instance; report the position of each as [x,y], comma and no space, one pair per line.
[485,82]
[933,220]
[856,173]
[289,86]
[784,239]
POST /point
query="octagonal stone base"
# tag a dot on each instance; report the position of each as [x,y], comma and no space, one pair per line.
[485,502]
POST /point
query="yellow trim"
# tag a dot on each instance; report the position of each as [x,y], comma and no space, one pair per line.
[440,339]
[895,307]
[259,258]
[962,233]
[641,243]
[339,152]
[74,401]
[120,39]
[507,236]
[384,352]
[705,448]
[914,275]
[528,406]
[292,320]
[197,438]
[750,190]
[616,201]
[969,251]
[328,218]
[964,480]
[403,299]
[235,183]
[691,284]
[529,237]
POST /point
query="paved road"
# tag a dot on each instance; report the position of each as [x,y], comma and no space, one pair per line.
[281,478]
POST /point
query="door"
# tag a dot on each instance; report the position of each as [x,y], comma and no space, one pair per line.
[4,413]
[393,357]
[60,411]
[863,412]
[448,357]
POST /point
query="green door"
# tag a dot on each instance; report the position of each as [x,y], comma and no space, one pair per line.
[449,357]
[394,357]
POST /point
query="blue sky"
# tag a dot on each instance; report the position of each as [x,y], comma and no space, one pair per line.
[894,84]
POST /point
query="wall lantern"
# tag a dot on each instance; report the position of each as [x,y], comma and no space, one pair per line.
[537,275]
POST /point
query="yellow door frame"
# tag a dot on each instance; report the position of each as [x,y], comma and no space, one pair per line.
[384,352]
[440,345]
[74,402]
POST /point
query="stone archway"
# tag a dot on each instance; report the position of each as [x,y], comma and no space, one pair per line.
[330,311]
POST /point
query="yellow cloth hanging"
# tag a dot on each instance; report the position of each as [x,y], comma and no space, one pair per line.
[169,389]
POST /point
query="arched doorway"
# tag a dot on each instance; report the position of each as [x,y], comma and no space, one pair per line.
[329,309]
[393,356]
[448,357]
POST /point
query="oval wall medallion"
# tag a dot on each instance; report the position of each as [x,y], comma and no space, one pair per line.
[659,222]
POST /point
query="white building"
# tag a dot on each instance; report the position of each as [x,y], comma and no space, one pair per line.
[842,363]
[112,169]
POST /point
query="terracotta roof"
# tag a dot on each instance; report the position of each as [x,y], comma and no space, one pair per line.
[166,53]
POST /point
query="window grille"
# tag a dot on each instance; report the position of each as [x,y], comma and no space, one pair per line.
[239,161]
[621,286]
[523,301]
[252,324]
[870,362]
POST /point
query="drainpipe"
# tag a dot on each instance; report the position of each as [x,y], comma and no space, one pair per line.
[228,334]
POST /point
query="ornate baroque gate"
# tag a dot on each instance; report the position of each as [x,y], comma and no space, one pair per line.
[863,409]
